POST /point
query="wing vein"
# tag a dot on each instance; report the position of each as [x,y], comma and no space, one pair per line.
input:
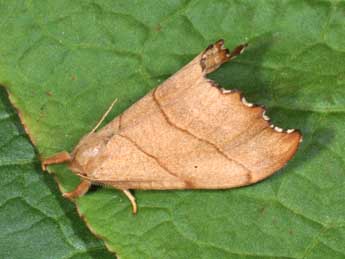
[152,156]
[220,151]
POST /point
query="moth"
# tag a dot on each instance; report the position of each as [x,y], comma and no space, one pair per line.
[188,133]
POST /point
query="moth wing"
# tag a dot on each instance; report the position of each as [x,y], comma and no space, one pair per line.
[190,134]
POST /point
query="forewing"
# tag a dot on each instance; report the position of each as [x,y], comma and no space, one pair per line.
[190,134]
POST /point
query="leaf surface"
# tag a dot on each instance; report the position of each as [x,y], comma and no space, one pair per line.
[35,221]
[64,62]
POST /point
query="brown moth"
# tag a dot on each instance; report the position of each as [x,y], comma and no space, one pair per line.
[188,133]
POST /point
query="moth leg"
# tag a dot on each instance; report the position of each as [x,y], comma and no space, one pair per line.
[131,199]
[103,117]
[58,158]
[80,190]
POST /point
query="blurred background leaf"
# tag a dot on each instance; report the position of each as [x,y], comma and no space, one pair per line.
[64,62]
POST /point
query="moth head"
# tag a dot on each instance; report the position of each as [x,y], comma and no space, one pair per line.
[86,153]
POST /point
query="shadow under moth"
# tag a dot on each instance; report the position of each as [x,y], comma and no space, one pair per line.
[187,133]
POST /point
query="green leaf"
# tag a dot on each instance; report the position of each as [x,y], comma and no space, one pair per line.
[64,62]
[35,221]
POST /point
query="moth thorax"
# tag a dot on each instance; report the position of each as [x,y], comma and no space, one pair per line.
[86,153]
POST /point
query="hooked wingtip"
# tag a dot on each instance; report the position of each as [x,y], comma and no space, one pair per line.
[216,54]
